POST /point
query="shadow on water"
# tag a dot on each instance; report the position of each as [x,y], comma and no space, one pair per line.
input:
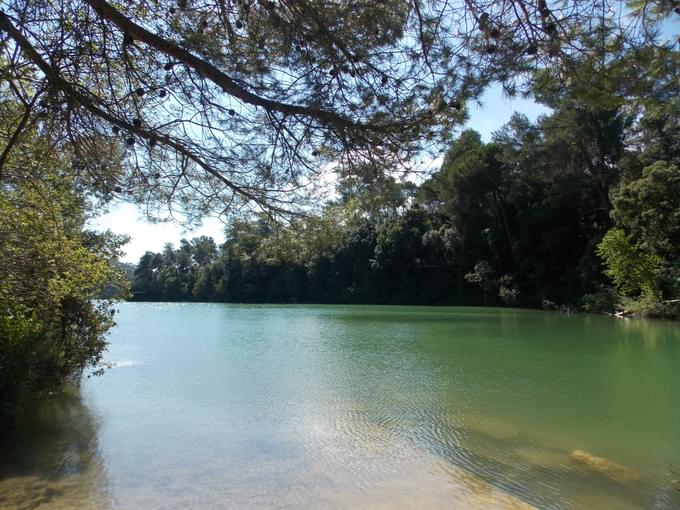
[51,459]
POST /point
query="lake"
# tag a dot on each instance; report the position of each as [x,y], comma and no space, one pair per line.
[241,406]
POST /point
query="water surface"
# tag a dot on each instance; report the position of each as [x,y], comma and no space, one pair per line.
[228,406]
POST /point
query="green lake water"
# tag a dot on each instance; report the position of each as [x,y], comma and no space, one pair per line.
[230,406]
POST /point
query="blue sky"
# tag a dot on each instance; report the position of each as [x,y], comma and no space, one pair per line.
[123,218]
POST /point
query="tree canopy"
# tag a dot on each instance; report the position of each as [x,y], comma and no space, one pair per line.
[217,105]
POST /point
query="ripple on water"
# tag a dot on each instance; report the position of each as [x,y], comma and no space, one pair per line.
[352,411]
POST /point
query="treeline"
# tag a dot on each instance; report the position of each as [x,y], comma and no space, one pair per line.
[580,209]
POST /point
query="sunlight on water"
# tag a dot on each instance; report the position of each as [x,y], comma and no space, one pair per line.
[217,406]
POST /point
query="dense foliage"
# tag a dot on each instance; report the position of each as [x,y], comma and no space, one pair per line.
[50,269]
[580,209]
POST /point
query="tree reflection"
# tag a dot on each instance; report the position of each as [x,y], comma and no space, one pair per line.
[51,459]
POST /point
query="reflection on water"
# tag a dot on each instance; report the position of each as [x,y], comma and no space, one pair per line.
[51,459]
[213,406]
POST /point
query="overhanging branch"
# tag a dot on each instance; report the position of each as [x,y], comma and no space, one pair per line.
[90,105]
[211,72]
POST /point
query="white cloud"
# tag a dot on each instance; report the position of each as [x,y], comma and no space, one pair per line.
[125,218]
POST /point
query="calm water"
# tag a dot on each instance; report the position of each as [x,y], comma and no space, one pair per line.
[223,406]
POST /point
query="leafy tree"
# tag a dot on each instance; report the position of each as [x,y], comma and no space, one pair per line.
[466,190]
[634,272]
[50,269]
[656,98]
[649,209]
[373,191]
[146,276]
[203,250]
[204,286]
[642,255]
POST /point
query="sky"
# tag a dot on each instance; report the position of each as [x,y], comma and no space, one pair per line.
[124,218]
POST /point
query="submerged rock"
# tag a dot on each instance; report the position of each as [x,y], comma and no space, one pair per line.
[604,466]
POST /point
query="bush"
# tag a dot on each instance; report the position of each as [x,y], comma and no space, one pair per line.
[50,271]
[603,300]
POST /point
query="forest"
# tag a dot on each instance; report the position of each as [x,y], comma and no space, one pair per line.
[578,211]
